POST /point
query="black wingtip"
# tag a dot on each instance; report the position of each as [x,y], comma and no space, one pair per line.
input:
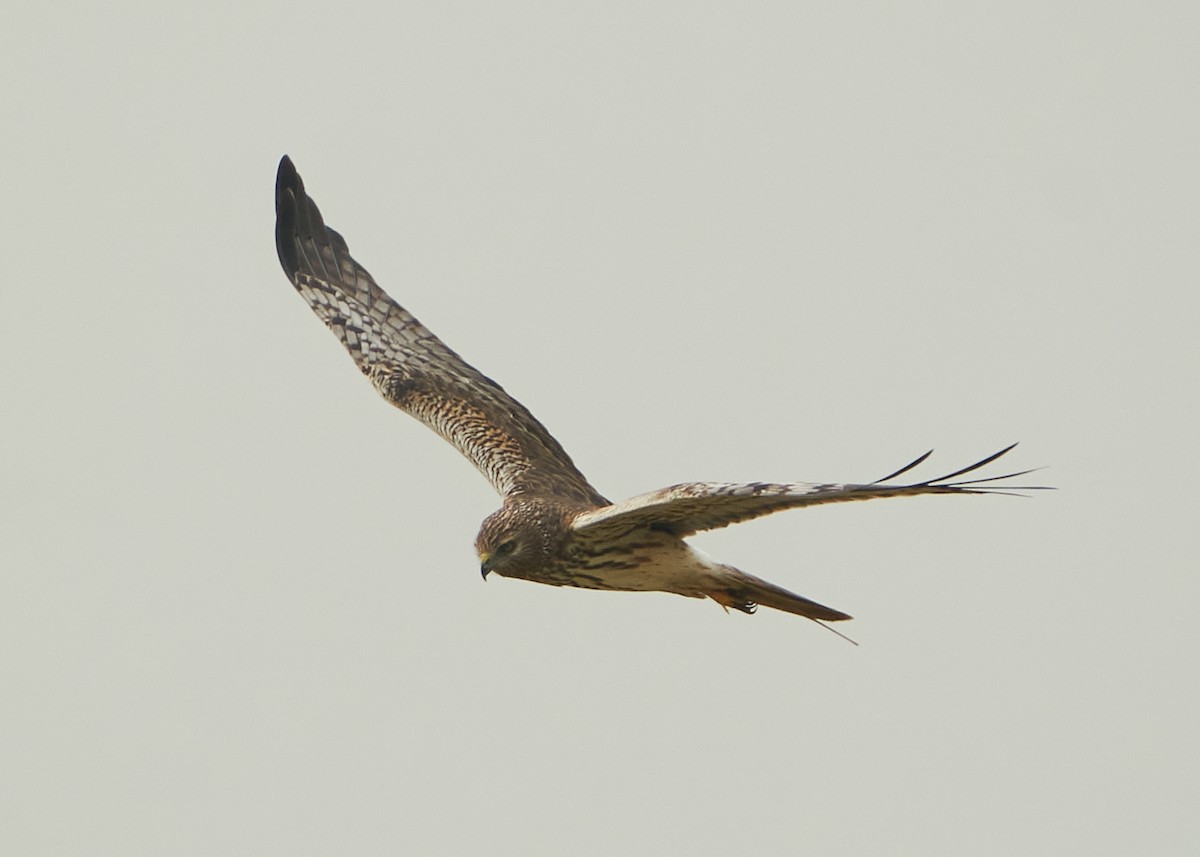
[289,191]
[918,460]
[950,483]
[286,179]
[976,465]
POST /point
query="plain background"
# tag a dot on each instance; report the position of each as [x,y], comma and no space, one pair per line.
[240,613]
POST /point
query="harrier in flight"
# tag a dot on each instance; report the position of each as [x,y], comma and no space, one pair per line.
[553,526]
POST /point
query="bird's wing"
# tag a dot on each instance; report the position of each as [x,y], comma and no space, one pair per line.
[695,506]
[412,368]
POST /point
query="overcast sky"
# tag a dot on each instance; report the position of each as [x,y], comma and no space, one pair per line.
[240,613]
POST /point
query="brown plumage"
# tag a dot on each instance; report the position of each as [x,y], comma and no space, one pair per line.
[553,527]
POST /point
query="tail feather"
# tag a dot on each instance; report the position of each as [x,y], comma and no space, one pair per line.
[745,592]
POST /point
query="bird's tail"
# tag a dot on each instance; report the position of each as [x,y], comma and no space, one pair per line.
[745,592]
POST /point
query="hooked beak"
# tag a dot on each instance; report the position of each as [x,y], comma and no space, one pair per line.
[485,567]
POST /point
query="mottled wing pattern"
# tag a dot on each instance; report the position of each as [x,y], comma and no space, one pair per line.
[412,368]
[695,506]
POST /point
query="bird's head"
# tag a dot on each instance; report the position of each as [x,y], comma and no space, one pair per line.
[514,541]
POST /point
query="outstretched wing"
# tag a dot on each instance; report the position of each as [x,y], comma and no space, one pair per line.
[695,506]
[412,368]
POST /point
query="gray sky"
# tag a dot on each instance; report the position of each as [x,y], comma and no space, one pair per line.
[240,612]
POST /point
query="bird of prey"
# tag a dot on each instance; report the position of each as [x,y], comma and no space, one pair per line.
[553,526]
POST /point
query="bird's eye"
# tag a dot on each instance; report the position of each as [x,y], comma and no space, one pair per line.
[505,547]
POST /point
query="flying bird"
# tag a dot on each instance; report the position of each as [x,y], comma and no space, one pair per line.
[553,527]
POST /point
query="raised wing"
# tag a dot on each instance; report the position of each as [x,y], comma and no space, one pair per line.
[695,506]
[412,368]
